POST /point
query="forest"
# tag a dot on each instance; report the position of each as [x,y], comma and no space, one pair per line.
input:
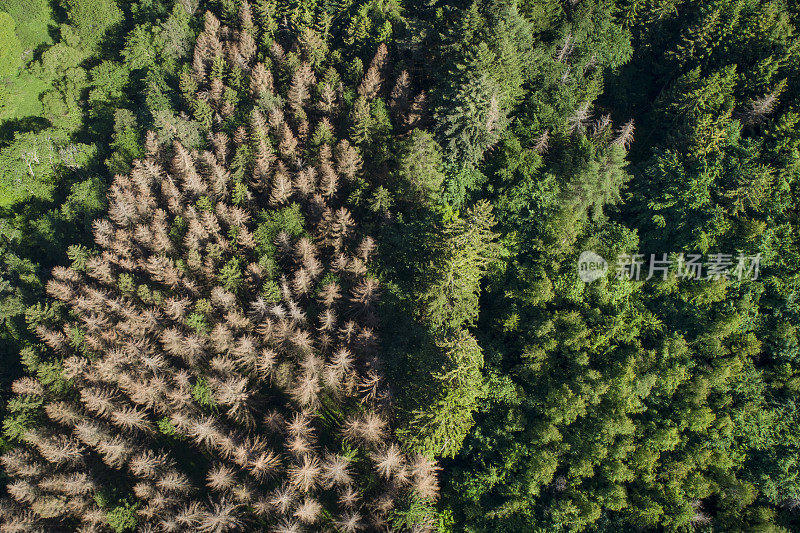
[477,266]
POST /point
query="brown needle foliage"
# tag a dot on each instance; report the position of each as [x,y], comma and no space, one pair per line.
[222,377]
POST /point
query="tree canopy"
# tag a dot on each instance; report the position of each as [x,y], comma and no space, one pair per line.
[481,266]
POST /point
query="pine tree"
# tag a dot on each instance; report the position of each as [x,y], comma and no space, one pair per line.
[360,118]
[399,98]
[450,297]
[371,84]
[447,381]
[438,429]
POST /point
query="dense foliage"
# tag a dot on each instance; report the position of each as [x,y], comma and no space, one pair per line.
[196,332]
